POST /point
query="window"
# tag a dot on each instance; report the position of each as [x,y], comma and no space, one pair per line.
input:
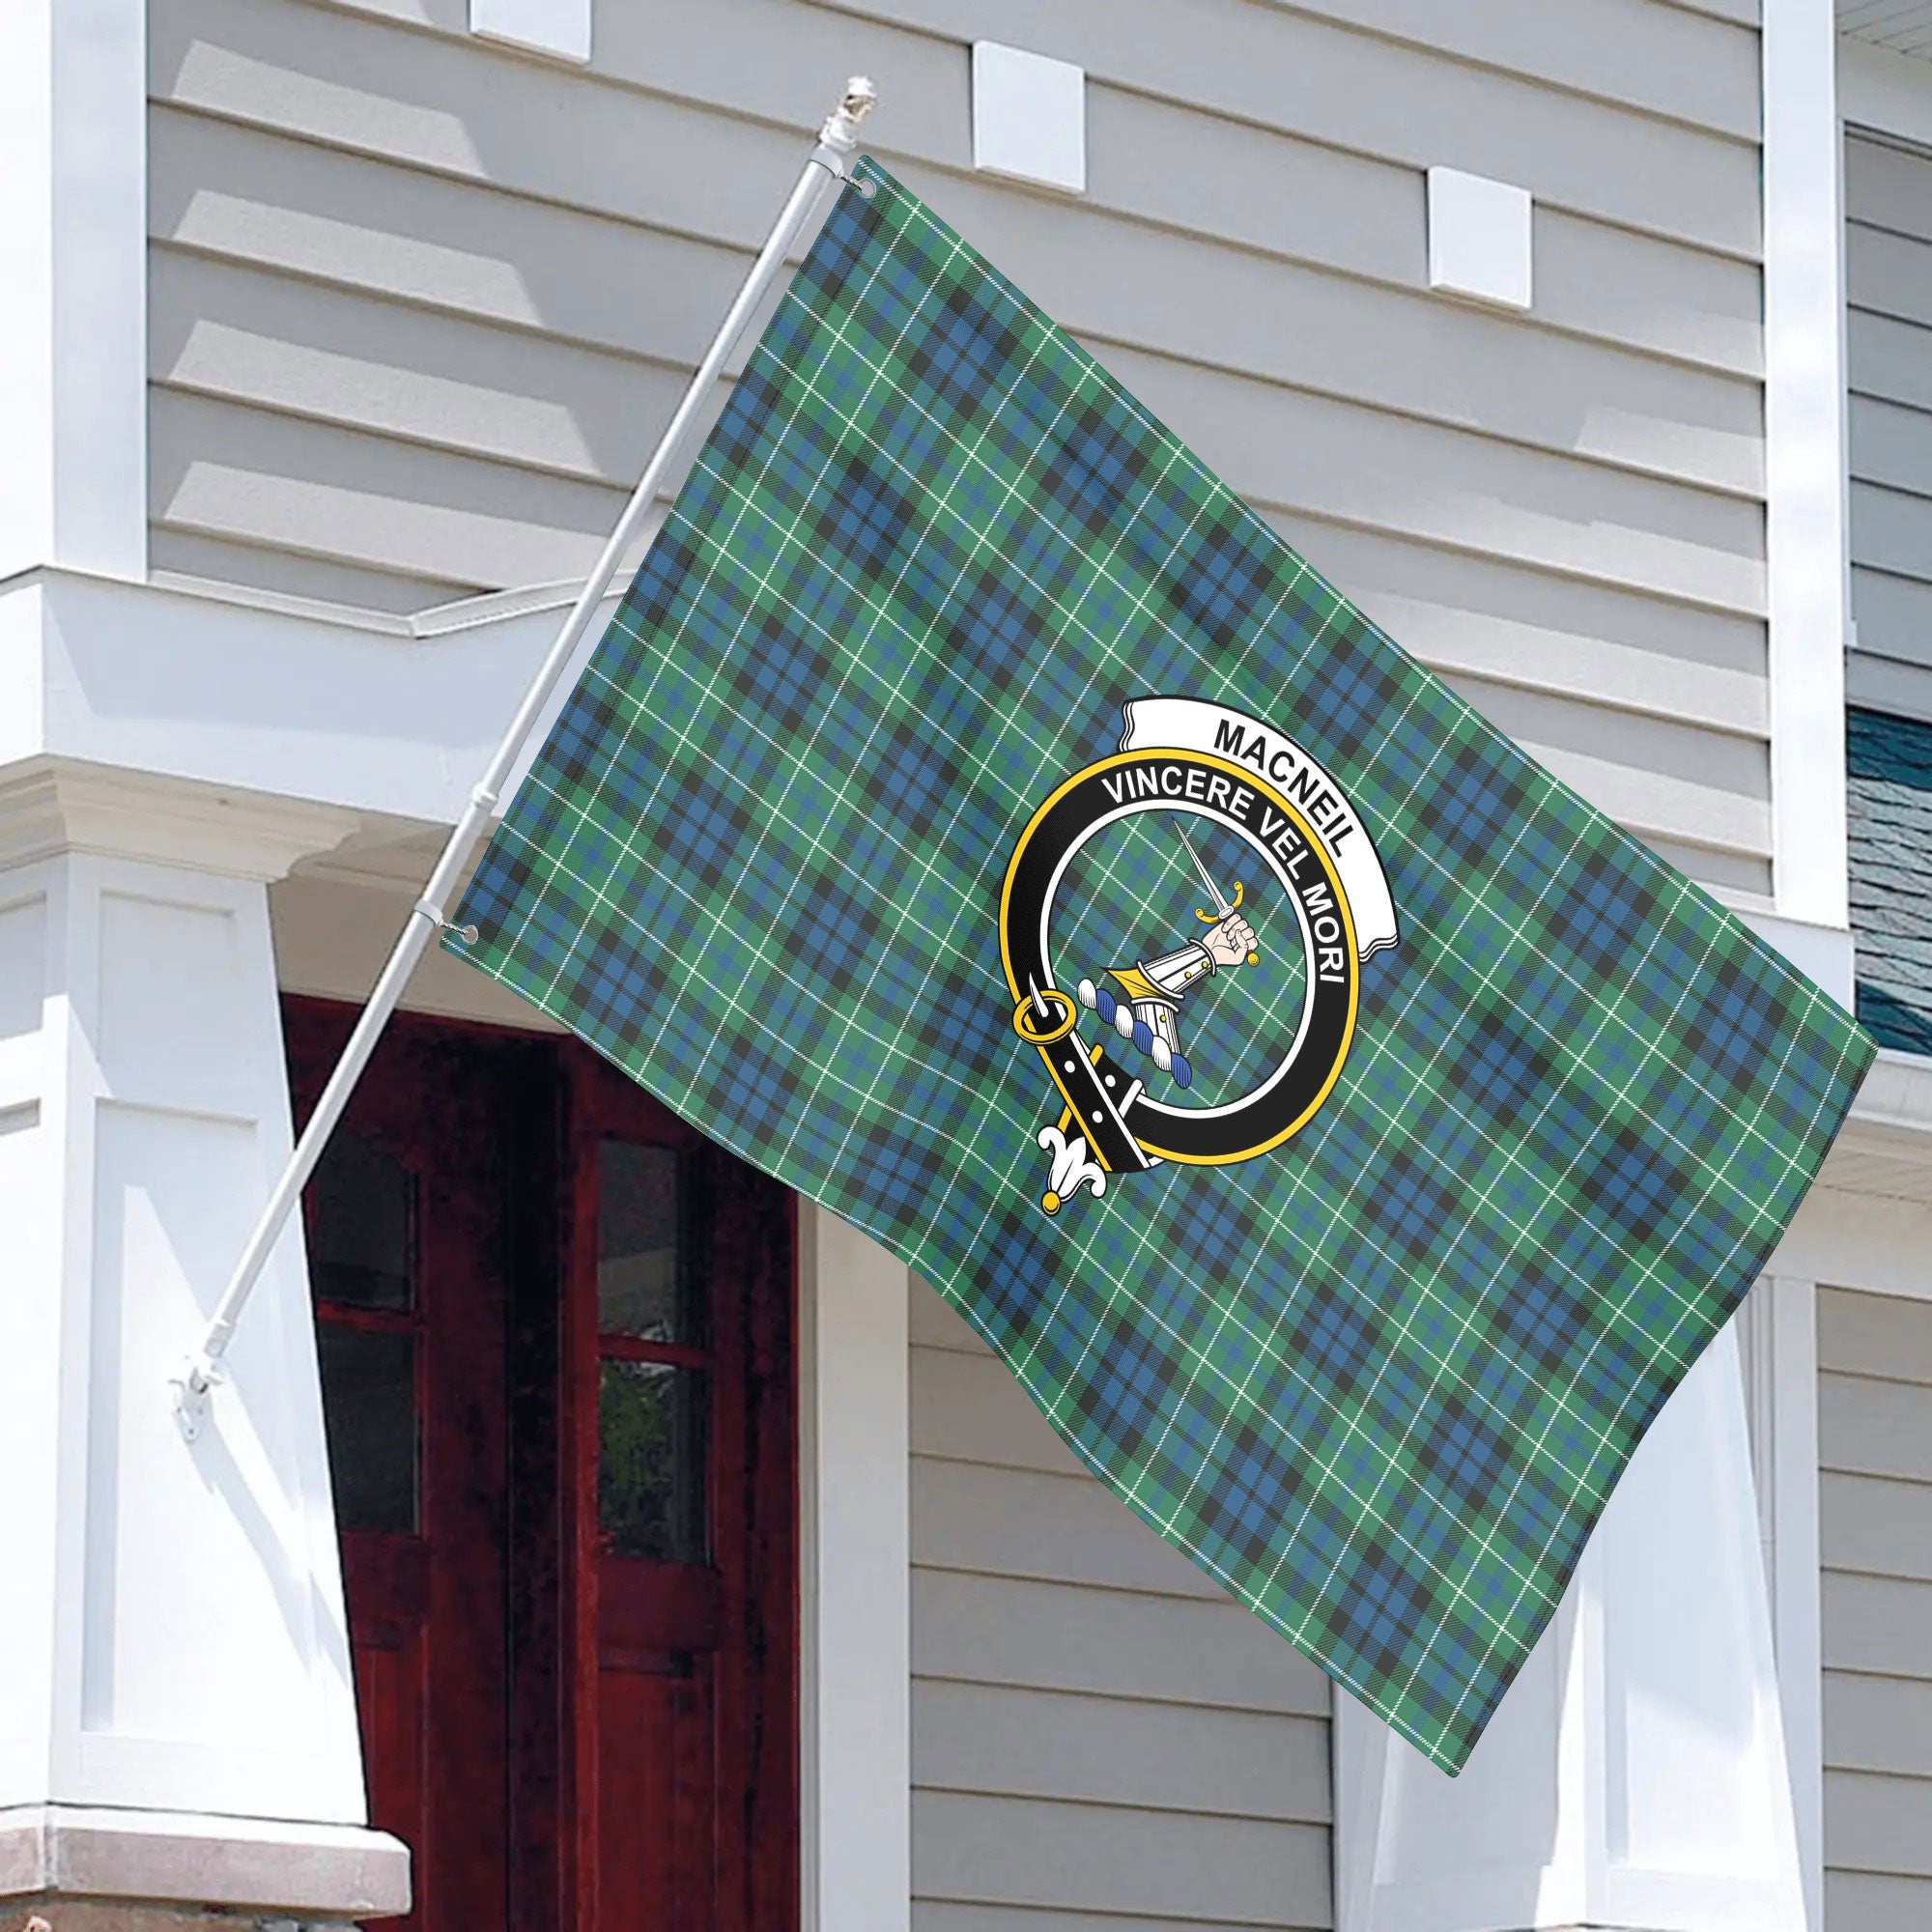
[653,1354]
[362,1266]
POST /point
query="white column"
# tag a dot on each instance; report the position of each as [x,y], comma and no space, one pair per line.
[856,1637]
[74,286]
[177,1713]
[1807,514]
[1636,1773]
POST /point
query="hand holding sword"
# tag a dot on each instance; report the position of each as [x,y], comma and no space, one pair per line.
[1232,936]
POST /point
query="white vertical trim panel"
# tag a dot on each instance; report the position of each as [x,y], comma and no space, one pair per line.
[1796,1605]
[1806,545]
[74,286]
[856,1621]
[1777,1336]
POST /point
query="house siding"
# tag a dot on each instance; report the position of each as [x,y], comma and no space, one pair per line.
[420,306]
[1875,1458]
[1889,370]
[1889,822]
[1101,1739]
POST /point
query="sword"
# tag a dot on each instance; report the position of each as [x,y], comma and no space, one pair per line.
[1223,908]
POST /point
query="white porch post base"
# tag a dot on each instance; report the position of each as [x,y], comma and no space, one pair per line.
[172,1620]
[122,1862]
[1634,1777]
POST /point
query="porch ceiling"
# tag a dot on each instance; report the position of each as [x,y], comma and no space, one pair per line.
[1905,26]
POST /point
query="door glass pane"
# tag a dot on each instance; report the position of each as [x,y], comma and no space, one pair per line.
[651,1468]
[363,1248]
[645,1269]
[369,1402]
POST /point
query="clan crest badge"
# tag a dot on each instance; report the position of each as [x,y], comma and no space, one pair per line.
[1320,903]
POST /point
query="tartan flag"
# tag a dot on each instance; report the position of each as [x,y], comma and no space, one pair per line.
[976,817]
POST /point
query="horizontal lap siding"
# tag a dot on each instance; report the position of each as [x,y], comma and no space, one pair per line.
[1101,1738]
[1888,352]
[1875,1453]
[408,342]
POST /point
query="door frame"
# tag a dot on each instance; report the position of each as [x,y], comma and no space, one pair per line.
[551,1556]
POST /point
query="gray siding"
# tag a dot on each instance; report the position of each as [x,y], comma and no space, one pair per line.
[421,305]
[1101,1739]
[1875,1455]
[1888,352]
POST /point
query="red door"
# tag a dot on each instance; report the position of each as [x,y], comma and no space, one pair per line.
[554,1328]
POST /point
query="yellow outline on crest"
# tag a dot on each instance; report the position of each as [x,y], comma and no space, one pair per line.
[1259,785]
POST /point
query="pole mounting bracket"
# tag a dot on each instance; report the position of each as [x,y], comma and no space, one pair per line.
[192,1384]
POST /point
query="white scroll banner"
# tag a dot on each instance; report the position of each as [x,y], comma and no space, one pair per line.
[1191,724]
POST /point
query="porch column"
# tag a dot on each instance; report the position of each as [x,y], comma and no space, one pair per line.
[177,1715]
[1634,1776]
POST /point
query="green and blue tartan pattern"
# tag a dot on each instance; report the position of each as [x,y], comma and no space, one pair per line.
[1379,1382]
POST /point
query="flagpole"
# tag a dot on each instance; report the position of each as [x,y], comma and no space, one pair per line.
[198,1374]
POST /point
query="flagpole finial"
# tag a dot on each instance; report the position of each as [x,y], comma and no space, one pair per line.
[841,125]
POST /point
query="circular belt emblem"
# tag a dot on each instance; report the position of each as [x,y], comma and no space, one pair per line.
[1113,1035]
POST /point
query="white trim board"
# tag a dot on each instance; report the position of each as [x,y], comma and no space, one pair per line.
[856,1626]
[301,702]
[1778,1340]
[1806,491]
[74,286]
[557,28]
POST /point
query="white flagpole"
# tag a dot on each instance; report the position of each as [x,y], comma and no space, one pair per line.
[194,1381]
